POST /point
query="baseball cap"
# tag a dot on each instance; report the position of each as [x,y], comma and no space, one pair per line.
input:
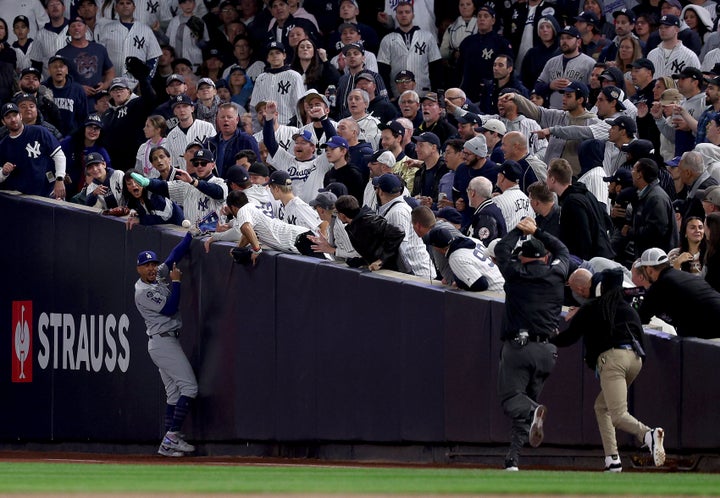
[674,3]
[364,75]
[671,96]
[281,178]
[205,81]
[147,257]
[625,123]
[56,58]
[93,120]
[451,215]
[394,126]
[389,183]
[336,188]
[204,156]
[669,19]
[533,248]
[313,94]
[181,99]
[404,75]
[120,82]
[612,74]
[477,145]
[348,25]
[31,70]
[689,72]
[351,46]
[639,148]
[491,247]
[306,135]
[674,162]
[712,195]
[236,174]
[93,158]
[487,8]
[625,12]
[259,169]
[578,87]
[335,142]
[8,108]
[431,96]
[275,45]
[325,200]
[384,157]
[439,237]
[495,125]
[623,176]
[192,145]
[651,257]
[23,19]
[174,77]
[587,16]
[643,63]
[715,80]
[469,119]
[209,53]
[24,97]
[512,171]
[570,31]
[614,93]
[77,19]
[715,69]
[428,137]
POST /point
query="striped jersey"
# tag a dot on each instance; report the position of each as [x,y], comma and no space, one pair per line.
[514,205]
[468,265]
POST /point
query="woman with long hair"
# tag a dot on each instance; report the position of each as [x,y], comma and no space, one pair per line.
[690,256]
[698,19]
[155,131]
[147,208]
[712,256]
[78,145]
[241,87]
[313,65]
[629,51]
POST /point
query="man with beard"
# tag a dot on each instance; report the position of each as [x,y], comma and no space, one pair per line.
[503,77]
[29,82]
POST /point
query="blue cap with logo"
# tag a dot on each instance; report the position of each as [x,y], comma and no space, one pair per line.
[181,99]
[336,141]
[145,257]
[306,135]
[204,156]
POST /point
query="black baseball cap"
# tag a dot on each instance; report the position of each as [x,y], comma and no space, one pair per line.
[351,46]
[570,31]
[181,99]
[625,12]
[259,169]
[644,63]
[93,158]
[281,178]
[236,174]
[624,122]
[393,126]
[204,156]
[31,70]
[428,137]
[405,75]
[533,248]
[614,93]
[56,58]
[670,20]
[588,17]
[511,170]
[639,148]
[689,72]
[578,87]
[623,176]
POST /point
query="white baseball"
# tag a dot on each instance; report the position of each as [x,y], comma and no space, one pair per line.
[186,224]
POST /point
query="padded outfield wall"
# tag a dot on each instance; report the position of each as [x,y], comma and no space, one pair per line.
[293,350]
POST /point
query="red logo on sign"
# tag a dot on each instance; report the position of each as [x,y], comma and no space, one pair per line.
[22,341]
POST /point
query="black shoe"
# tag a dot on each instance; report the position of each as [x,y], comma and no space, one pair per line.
[511,464]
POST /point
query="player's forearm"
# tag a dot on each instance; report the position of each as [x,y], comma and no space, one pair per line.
[172,305]
[179,251]
[249,233]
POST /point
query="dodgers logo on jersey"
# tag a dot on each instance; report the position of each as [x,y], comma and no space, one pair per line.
[33,150]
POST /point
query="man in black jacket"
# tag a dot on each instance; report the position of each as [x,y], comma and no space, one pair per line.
[534,292]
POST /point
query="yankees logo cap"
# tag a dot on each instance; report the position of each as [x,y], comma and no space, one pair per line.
[145,257]
[570,31]
[351,46]
[614,93]
[236,174]
[451,215]
[404,75]
[439,237]
[281,178]
[670,20]
[203,155]
[174,77]
[24,97]
[533,248]
[393,126]
[22,19]
[389,183]
[275,45]
[93,120]
[622,176]
[428,137]
[120,82]
[625,12]
[93,158]
[624,122]
[8,108]
[56,58]
[587,16]
[205,81]
[639,148]
[487,8]
[181,99]
[31,70]
[258,169]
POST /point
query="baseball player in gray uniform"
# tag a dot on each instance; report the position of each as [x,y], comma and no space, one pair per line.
[157,297]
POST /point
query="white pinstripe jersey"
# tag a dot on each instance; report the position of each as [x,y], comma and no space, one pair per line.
[32,9]
[190,50]
[339,238]
[370,197]
[307,176]
[422,50]
[298,212]
[594,182]
[413,255]
[669,62]
[116,186]
[196,205]
[283,136]
[47,44]
[424,14]
[139,41]
[369,130]
[177,140]
[514,205]
[271,232]
[260,196]
[285,88]
[468,265]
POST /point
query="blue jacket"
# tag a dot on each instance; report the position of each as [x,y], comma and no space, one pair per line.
[73,105]
[239,141]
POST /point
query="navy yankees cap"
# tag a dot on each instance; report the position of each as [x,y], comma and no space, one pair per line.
[428,137]
[643,63]
[623,176]
[203,156]
[395,127]
[93,120]
[570,31]
[24,97]
[670,20]
[56,58]
[22,19]
[93,158]
[689,72]
[625,12]
[275,45]
[31,70]
[174,77]
[236,174]
[533,248]
[578,87]
[8,108]
[389,183]
[439,237]
[487,8]
[511,170]
[351,46]
[181,99]
[259,169]
[614,93]
[404,75]
[587,16]
[281,178]
[624,122]
[639,148]
[181,60]
[145,257]
[451,215]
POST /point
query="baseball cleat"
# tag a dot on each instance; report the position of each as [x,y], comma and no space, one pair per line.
[612,464]
[536,429]
[511,465]
[173,441]
[169,452]
[654,441]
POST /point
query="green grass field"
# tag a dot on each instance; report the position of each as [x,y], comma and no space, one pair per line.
[206,479]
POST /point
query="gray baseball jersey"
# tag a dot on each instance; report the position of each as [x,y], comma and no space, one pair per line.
[138,41]
[415,57]
[151,298]
[575,69]
[177,140]
[468,265]
[514,205]
[413,255]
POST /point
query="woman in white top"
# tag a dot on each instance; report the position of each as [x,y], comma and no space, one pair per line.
[464,26]
[155,130]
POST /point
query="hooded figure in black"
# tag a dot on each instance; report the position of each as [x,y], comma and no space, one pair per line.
[8,59]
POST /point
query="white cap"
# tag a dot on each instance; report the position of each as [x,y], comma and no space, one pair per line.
[651,257]
[491,247]
[387,158]
[494,125]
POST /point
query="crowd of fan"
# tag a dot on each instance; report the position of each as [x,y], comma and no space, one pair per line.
[390,135]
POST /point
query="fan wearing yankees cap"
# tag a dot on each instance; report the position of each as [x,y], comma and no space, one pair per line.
[189,130]
[337,242]
[513,202]
[671,55]
[67,95]
[29,83]
[472,267]
[278,83]
[682,299]
[106,189]
[32,160]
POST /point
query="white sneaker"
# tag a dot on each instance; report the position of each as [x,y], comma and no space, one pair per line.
[612,464]
[173,441]
[536,429]
[169,452]
[654,441]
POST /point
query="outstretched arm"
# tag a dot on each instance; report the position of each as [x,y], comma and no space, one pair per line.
[179,251]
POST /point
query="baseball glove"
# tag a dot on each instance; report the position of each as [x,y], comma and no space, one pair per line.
[117,211]
[241,255]
[137,68]
[196,26]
